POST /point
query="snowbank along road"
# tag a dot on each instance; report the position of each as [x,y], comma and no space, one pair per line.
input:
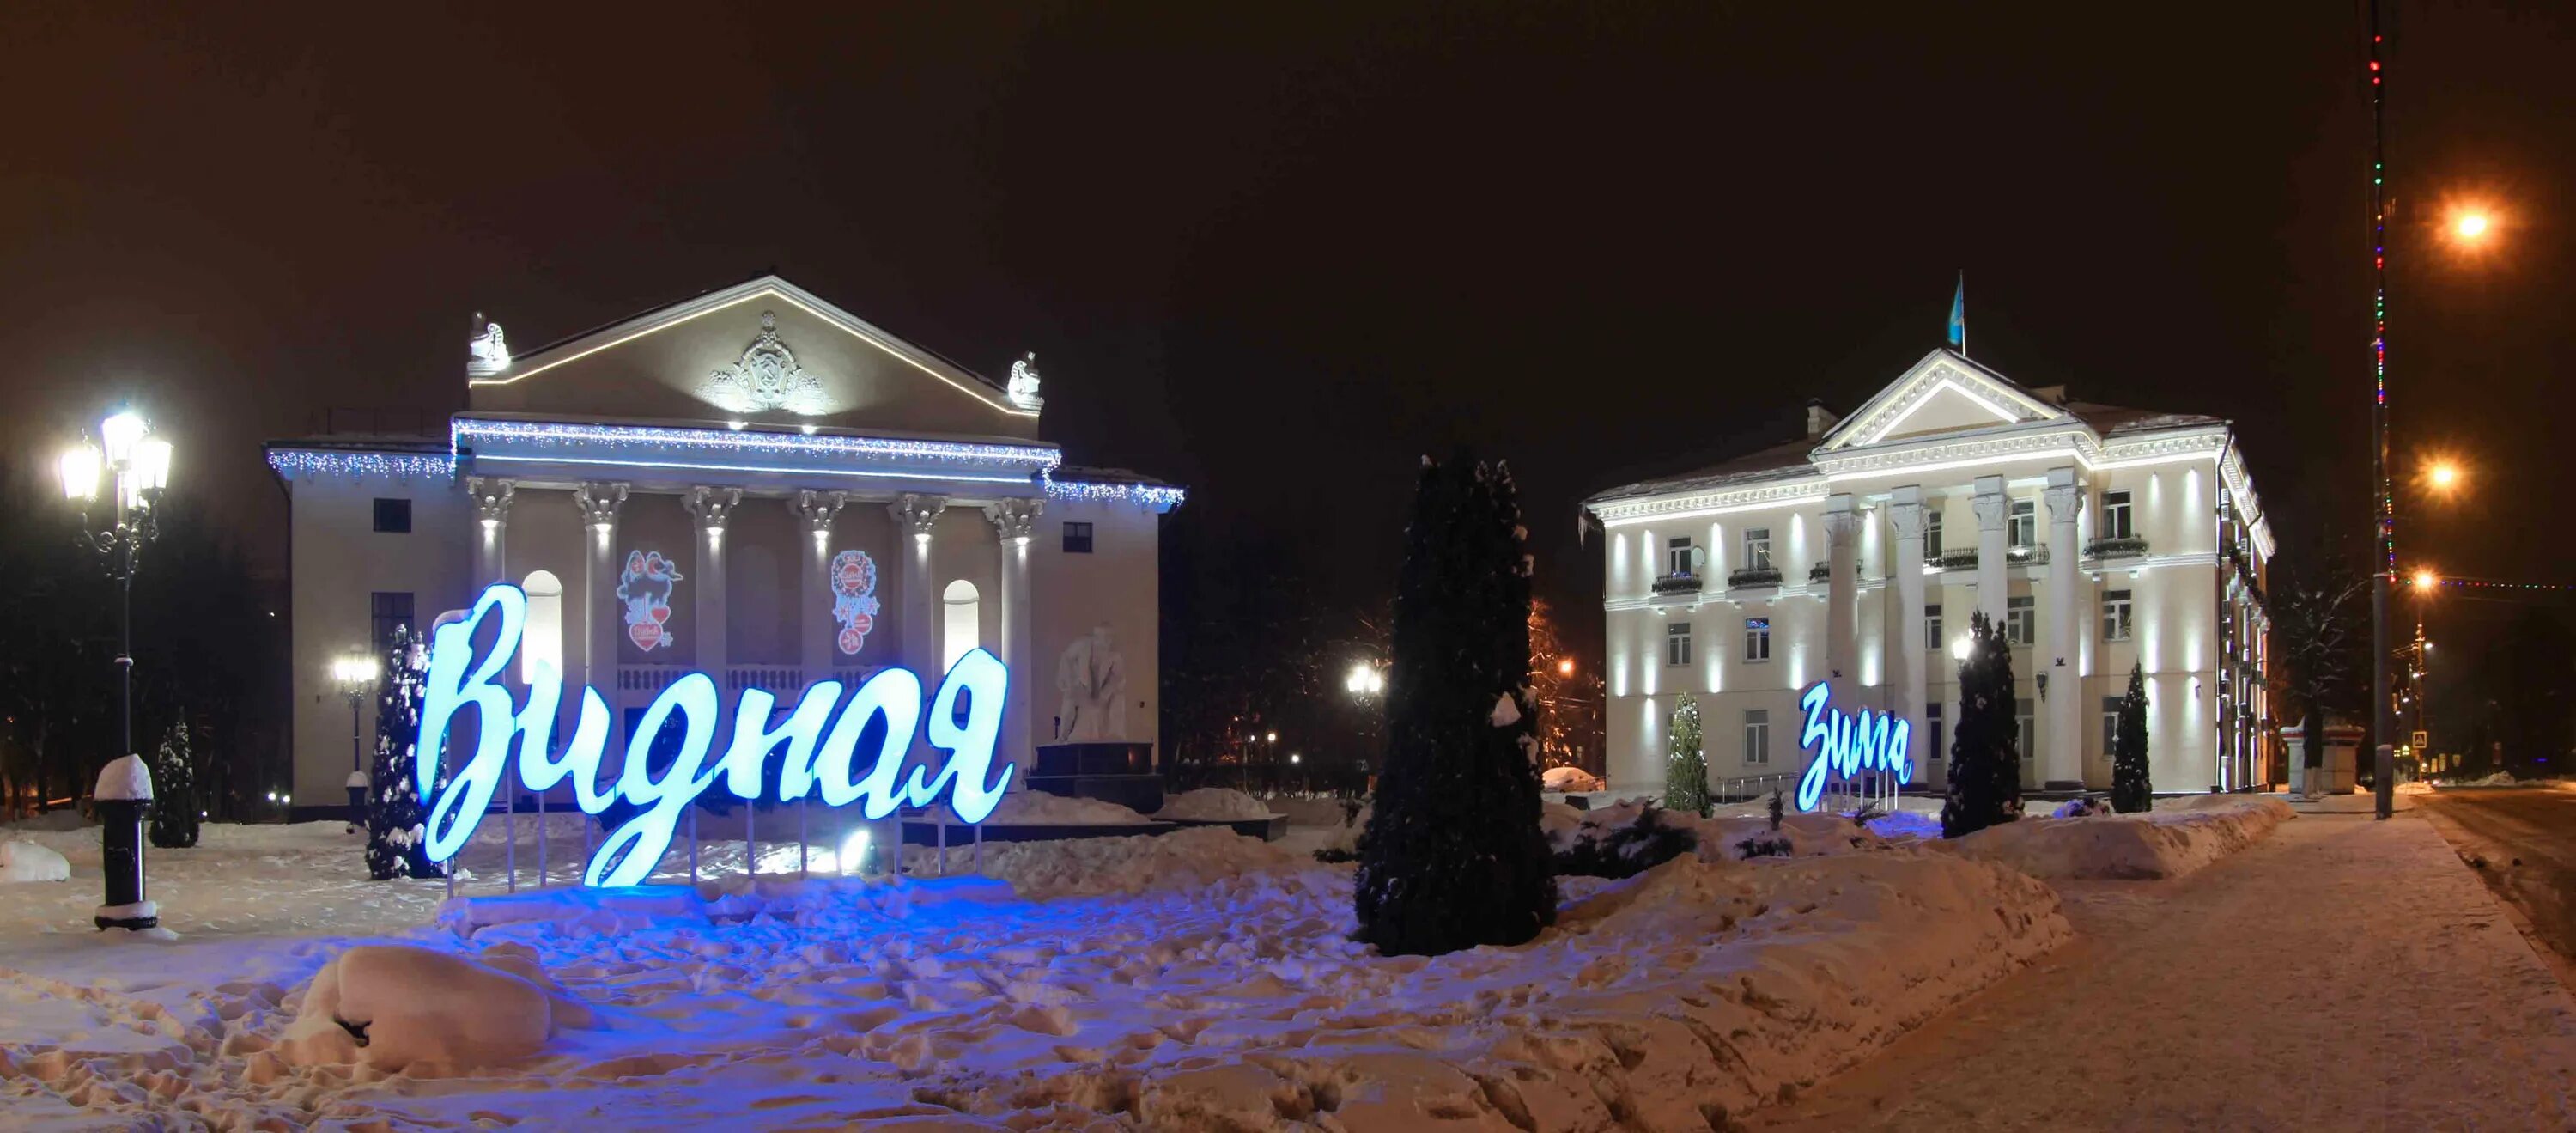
[2523,842]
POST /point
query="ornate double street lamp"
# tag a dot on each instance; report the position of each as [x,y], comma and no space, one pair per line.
[355,674]
[136,466]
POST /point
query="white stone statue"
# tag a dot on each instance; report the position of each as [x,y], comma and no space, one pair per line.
[1091,683]
[1023,386]
[488,353]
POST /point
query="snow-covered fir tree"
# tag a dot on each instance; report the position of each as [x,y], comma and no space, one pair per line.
[396,820]
[1685,765]
[2131,791]
[174,790]
[1453,856]
[1985,755]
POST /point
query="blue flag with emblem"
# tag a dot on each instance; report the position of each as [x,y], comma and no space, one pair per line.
[1959,317]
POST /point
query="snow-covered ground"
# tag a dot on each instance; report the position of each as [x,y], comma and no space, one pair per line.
[2343,974]
[2179,836]
[1192,980]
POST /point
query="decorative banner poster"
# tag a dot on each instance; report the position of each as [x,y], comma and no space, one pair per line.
[854,598]
[645,587]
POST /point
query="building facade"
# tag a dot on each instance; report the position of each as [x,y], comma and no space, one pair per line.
[2098,536]
[753,484]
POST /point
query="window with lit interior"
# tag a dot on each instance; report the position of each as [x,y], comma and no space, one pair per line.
[1757,639]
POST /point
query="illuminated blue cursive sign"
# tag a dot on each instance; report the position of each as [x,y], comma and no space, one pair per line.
[820,744]
[1845,746]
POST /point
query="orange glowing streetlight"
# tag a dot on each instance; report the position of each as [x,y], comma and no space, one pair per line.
[1565,666]
[2443,474]
[2426,580]
[2471,225]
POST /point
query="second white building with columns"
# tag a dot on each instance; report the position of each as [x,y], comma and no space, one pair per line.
[2097,536]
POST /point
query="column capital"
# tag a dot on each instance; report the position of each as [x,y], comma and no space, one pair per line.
[1842,523]
[1016,519]
[1906,517]
[598,503]
[917,513]
[713,506]
[491,497]
[2065,502]
[819,508]
[1991,508]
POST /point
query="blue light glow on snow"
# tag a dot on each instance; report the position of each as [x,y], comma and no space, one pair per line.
[820,745]
[1845,746]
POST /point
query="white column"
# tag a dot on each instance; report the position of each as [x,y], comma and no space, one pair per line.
[917,635]
[1016,521]
[1842,612]
[2061,762]
[598,504]
[492,528]
[714,509]
[1906,659]
[1993,509]
[817,509]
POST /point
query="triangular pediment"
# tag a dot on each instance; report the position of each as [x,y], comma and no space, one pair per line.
[1942,394]
[763,352]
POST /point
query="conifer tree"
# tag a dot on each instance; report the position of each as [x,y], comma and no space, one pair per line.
[174,790]
[1985,757]
[1453,856]
[397,822]
[2131,791]
[1685,764]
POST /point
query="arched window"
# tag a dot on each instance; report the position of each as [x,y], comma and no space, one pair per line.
[542,642]
[961,622]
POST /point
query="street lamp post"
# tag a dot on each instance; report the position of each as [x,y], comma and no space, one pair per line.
[137,465]
[355,674]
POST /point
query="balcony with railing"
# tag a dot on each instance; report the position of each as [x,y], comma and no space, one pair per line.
[1680,584]
[1746,578]
[1954,560]
[2116,547]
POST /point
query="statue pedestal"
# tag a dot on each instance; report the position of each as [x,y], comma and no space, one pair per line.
[1114,771]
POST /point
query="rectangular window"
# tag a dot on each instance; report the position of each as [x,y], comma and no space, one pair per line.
[2023,528]
[1932,718]
[2025,730]
[1931,534]
[1077,537]
[1757,737]
[1757,639]
[2110,723]
[1757,548]
[393,516]
[1677,649]
[387,610]
[1932,625]
[2115,615]
[2116,523]
[2020,620]
[1680,557]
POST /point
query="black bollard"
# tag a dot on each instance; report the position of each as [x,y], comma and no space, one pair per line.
[124,798]
[357,803]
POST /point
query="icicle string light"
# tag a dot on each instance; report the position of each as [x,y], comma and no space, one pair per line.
[1160,497]
[303,462]
[466,431]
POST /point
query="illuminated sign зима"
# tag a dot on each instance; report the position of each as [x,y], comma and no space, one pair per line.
[1845,746]
[820,745]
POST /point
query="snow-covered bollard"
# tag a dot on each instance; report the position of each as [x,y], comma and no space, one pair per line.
[124,799]
[357,803]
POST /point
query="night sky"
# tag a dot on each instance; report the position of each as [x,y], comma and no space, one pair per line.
[1276,254]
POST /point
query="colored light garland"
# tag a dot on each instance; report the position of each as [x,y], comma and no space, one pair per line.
[553,433]
[1160,497]
[294,462]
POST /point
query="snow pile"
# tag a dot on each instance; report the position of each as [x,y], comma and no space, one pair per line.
[1809,835]
[1670,1000]
[1570,779]
[1087,866]
[1906,824]
[124,779]
[1043,808]
[27,861]
[2173,841]
[400,1008]
[1214,804]
[2081,806]
[2497,779]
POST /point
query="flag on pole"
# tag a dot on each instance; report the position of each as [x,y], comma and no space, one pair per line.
[1959,317]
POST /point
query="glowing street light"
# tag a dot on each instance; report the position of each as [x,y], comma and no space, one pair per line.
[1565,666]
[2471,225]
[2442,475]
[2425,580]
[1364,680]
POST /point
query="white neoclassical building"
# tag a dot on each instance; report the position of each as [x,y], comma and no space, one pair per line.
[754,484]
[2098,536]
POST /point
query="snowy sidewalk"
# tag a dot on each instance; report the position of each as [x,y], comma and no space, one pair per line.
[2342,974]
